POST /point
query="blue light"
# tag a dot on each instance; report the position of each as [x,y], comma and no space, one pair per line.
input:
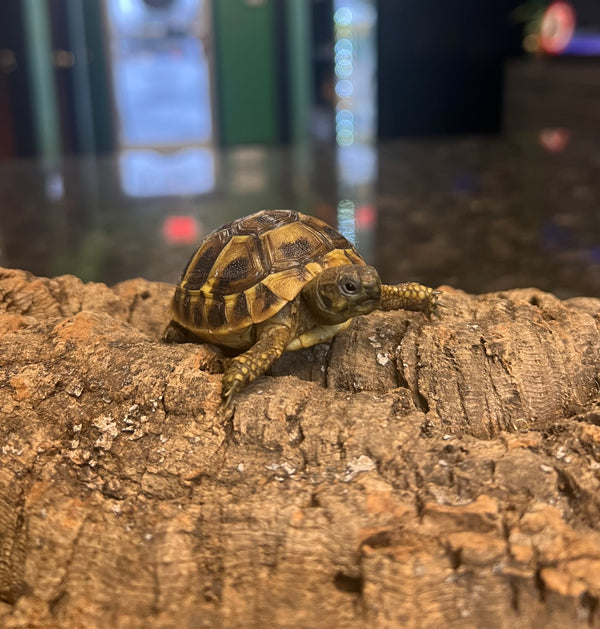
[344,137]
[345,219]
[343,55]
[344,116]
[344,46]
[357,164]
[343,16]
[583,44]
[343,68]
[149,173]
[345,125]
[344,88]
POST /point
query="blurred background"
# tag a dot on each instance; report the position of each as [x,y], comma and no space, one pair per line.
[452,142]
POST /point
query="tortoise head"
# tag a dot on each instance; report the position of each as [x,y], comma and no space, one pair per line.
[342,292]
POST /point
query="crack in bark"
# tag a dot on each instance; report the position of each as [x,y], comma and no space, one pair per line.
[12,558]
[61,589]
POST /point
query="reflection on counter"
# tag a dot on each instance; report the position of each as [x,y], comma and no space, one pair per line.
[149,173]
[161,78]
[479,214]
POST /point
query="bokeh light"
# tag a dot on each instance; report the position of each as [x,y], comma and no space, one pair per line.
[343,16]
[555,140]
[557,27]
[346,220]
[344,68]
[181,230]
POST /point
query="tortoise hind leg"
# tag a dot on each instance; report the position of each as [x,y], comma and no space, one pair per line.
[176,333]
[273,338]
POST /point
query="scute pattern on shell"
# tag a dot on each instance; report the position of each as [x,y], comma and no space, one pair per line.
[246,271]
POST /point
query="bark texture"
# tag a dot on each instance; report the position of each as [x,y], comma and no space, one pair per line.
[410,474]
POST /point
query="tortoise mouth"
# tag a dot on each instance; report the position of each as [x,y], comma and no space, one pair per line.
[367,305]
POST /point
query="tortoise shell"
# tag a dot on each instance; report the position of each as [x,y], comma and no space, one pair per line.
[245,272]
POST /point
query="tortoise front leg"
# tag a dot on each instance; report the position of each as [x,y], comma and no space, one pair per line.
[409,296]
[273,337]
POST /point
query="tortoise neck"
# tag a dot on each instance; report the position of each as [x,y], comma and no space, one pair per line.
[321,311]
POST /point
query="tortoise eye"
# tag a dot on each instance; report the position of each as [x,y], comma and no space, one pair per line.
[349,287]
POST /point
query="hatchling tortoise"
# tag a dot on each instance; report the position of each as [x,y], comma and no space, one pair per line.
[278,280]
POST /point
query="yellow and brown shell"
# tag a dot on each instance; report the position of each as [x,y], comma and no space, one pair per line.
[246,271]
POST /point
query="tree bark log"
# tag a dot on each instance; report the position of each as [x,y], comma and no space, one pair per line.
[412,473]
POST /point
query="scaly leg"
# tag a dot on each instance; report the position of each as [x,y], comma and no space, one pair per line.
[409,296]
[176,333]
[273,338]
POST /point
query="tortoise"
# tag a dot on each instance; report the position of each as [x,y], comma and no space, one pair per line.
[274,281]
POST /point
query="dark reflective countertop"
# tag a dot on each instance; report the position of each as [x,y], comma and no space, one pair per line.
[481,214]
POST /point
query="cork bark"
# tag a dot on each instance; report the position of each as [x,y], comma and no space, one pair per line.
[412,473]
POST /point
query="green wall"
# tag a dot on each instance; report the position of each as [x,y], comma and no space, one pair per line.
[246,71]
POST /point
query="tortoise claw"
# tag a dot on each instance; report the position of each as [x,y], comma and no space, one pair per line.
[236,377]
[229,390]
[434,304]
[226,404]
[438,304]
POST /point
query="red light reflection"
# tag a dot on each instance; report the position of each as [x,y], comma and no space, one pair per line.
[365,217]
[555,140]
[181,230]
[557,27]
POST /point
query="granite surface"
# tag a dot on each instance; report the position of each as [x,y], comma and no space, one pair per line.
[481,214]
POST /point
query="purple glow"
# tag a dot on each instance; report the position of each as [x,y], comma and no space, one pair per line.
[583,44]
